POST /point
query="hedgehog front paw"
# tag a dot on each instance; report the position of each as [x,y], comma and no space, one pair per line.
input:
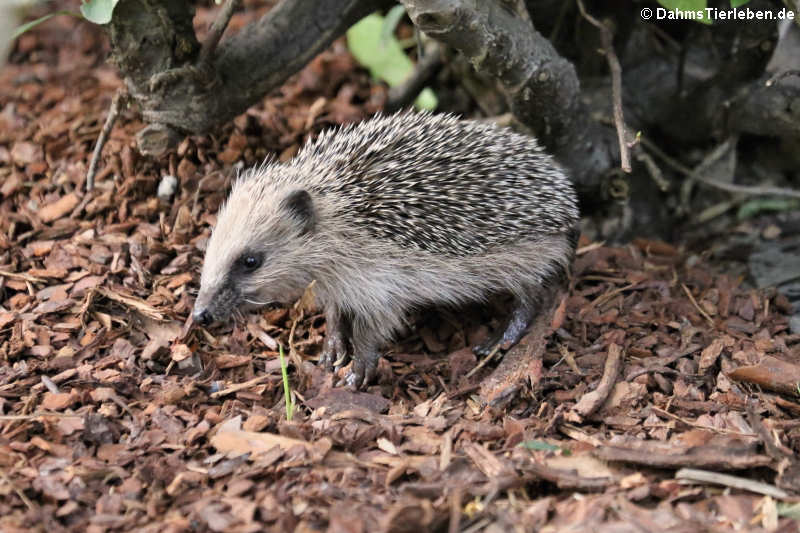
[334,352]
[363,371]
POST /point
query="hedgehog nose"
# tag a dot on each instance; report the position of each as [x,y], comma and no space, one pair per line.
[202,316]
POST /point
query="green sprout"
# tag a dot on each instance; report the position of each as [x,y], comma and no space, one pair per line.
[287,391]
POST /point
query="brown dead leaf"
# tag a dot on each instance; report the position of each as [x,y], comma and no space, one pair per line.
[771,373]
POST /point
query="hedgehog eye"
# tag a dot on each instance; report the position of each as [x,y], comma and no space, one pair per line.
[250,262]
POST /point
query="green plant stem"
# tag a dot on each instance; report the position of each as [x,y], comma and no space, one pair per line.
[27,26]
[287,393]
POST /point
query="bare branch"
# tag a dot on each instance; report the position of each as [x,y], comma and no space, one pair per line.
[215,34]
[177,95]
[542,87]
[111,118]
[405,93]
[616,84]
[730,187]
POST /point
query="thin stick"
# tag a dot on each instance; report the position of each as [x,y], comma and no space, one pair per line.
[730,187]
[404,94]
[653,170]
[38,414]
[696,306]
[780,75]
[606,38]
[23,277]
[16,489]
[113,113]
[689,423]
[216,31]
[592,401]
[455,511]
[242,386]
[484,361]
[726,480]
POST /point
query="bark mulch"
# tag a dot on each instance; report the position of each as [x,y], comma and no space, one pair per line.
[664,400]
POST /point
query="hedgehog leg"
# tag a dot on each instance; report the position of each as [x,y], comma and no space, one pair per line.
[365,356]
[540,300]
[513,331]
[334,348]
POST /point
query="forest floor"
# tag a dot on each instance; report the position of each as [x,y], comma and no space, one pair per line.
[666,398]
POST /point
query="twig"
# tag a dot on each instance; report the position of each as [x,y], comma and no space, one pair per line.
[37,414]
[669,455]
[216,31]
[301,306]
[22,277]
[485,360]
[429,64]
[21,494]
[241,386]
[693,474]
[605,297]
[770,446]
[689,423]
[696,306]
[592,401]
[730,187]
[607,39]
[653,170]
[113,113]
[455,511]
[780,75]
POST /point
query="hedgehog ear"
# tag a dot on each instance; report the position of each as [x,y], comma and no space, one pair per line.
[300,205]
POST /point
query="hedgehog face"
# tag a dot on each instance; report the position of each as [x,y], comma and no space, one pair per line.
[254,256]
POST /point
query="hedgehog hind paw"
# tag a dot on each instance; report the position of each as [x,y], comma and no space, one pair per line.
[485,348]
[513,331]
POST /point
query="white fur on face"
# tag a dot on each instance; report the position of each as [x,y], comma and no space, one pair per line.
[253,221]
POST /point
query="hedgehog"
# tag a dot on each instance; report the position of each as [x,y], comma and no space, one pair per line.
[394,214]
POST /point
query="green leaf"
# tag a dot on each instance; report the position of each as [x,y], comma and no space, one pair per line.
[738,3]
[426,100]
[758,205]
[393,18]
[789,510]
[698,6]
[98,11]
[287,393]
[25,27]
[541,446]
[384,59]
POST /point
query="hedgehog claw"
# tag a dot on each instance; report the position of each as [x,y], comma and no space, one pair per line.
[486,347]
[334,348]
[334,353]
[363,371]
[511,334]
[351,380]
